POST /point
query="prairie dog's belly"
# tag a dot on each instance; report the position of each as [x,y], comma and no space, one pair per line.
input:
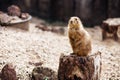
[79,38]
[80,42]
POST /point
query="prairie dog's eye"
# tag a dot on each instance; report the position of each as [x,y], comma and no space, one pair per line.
[76,19]
[71,22]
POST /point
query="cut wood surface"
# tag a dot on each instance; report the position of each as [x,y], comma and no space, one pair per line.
[112,21]
[72,67]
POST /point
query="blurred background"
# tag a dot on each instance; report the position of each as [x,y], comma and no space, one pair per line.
[91,12]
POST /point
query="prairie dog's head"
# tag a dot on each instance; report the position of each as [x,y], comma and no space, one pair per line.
[74,22]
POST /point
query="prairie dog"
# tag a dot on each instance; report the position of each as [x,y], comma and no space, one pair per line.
[80,39]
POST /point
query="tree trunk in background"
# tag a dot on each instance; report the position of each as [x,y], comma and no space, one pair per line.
[68,9]
[63,9]
[44,8]
[83,9]
[57,9]
[25,5]
[114,8]
[4,4]
[34,7]
[100,11]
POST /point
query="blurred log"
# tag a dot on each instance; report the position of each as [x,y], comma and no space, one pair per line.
[74,67]
[44,27]
[8,72]
[110,26]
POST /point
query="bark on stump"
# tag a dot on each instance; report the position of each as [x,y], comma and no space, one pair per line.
[8,72]
[110,26]
[74,67]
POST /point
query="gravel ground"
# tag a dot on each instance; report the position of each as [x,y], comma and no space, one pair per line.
[35,46]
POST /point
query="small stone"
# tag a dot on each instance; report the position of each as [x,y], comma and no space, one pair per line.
[14,10]
[24,15]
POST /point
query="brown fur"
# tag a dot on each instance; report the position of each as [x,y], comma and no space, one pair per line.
[79,38]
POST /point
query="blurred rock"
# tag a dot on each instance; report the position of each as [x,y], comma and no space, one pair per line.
[14,10]
[8,72]
[4,18]
[41,73]
[24,15]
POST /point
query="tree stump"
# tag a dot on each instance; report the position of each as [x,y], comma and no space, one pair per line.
[110,26]
[74,67]
[8,72]
[42,73]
